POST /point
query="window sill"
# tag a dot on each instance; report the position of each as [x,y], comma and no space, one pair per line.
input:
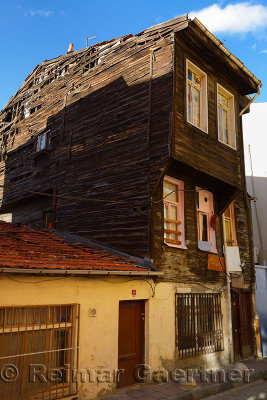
[182,247]
[222,144]
[40,152]
[197,129]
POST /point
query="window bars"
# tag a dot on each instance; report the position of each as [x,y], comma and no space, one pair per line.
[198,324]
[38,351]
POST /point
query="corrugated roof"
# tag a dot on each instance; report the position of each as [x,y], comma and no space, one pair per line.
[28,248]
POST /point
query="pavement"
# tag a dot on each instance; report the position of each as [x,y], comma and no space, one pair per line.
[251,391]
[238,380]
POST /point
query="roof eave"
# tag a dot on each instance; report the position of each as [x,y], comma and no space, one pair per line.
[62,272]
[220,45]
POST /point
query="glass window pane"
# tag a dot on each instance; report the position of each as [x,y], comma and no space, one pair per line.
[170,190]
[173,212]
[203,227]
[220,122]
[189,104]
[196,107]
[228,232]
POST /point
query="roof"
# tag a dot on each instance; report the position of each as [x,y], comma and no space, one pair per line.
[26,248]
[103,50]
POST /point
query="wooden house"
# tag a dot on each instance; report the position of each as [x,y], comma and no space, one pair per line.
[136,143]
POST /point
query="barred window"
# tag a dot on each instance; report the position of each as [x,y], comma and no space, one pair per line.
[44,336]
[198,324]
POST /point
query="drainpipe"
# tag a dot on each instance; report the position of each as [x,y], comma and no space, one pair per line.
[251,101]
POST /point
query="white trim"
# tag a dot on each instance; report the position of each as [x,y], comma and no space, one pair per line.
[232,126]
[203,96]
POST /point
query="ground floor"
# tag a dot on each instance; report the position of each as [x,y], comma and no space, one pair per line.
[67,336]
[242,381]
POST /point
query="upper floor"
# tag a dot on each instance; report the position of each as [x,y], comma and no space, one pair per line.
[88,138]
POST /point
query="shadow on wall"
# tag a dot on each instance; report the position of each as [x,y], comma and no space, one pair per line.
[98,149]
[257,187]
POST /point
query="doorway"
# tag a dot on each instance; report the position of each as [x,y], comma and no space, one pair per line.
[131,344]
[243,338]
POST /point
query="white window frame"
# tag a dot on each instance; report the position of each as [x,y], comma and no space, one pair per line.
[203,96]
[180,212]
[231,116]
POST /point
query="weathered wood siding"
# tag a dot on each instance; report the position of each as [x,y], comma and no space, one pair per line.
[109,132]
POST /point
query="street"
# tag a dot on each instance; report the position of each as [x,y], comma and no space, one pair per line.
[252,391]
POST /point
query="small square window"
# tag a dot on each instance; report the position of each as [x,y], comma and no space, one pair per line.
[226,117]
[197,100]
[42,142]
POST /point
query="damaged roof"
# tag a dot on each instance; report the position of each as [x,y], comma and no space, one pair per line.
[28,249]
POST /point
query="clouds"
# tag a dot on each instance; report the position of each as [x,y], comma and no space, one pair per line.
[41,13]
[234,18]
[263,52]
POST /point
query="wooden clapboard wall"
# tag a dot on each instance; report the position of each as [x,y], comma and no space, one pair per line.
[115,116]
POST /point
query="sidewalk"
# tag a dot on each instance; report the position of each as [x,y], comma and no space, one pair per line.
[180,391]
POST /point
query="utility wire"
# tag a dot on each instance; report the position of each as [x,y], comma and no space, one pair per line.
[67,197]
[83,198]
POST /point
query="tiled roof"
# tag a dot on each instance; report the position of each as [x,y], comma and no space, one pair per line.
[24,247]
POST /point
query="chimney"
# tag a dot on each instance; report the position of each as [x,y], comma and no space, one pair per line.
[70,49]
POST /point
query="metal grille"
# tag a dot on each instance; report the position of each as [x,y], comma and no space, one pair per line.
[198,324]
[42,339]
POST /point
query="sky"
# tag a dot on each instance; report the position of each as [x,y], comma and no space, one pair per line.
[33,30]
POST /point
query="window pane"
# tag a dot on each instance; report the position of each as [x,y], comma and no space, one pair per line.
[228,232]
[166,225]
[189,103]
[225,126]
[203,227]
[170,190]
[220,122]
[196,107]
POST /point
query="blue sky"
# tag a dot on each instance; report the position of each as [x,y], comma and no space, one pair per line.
[32,31]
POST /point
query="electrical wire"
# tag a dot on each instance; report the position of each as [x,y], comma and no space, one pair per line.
[67,197]
[83,198]
[175,191]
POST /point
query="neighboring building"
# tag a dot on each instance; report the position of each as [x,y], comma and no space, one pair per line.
[255,144]
[60,311]
[136,144]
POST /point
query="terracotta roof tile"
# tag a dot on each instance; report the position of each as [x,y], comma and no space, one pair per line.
[24,247]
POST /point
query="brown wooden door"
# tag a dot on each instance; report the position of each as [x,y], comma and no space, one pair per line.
[236,326]
[246,327]
[242,325]
[131,339]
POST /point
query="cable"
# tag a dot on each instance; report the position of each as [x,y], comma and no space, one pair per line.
[64,196]
[174,191]
[87,198]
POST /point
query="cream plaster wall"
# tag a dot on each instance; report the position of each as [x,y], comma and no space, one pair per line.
[98,340]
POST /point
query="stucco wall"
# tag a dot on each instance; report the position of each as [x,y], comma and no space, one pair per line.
[254,128]
[98,339]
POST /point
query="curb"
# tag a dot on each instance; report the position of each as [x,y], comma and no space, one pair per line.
[217,388]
